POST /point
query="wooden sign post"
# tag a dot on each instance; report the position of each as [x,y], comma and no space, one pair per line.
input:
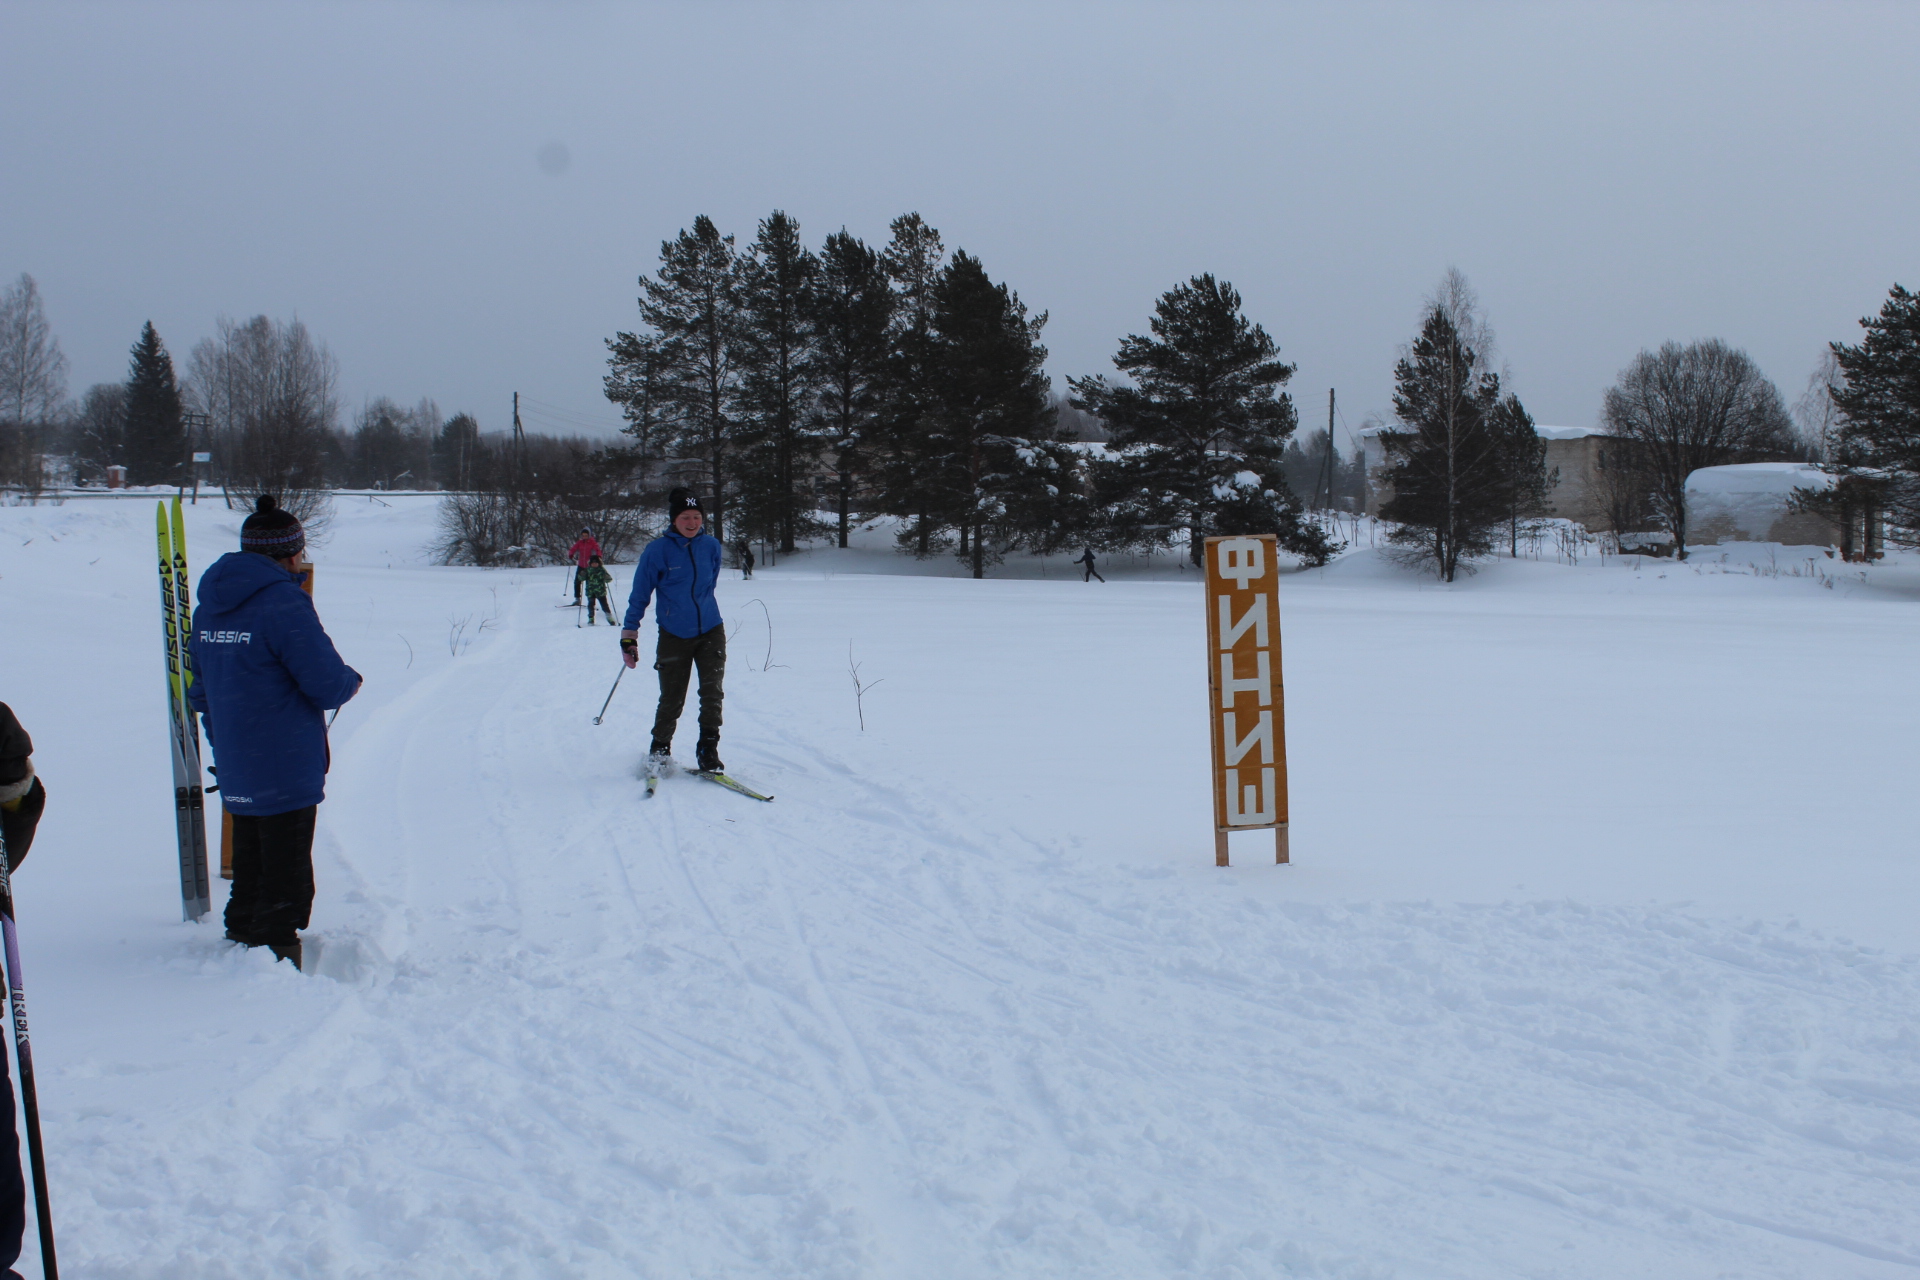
[1245,701]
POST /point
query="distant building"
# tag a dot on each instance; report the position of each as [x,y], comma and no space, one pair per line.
[1754,502]
[1575,458]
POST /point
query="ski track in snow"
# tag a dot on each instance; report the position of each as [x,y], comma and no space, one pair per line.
[900,1022]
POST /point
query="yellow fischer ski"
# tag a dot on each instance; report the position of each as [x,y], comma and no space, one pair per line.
[189,801]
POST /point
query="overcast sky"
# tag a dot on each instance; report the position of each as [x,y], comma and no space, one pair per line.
[1607,176]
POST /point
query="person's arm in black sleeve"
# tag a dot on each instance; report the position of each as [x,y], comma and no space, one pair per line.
[22,795]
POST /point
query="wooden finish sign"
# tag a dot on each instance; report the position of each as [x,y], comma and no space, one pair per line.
[1243,683]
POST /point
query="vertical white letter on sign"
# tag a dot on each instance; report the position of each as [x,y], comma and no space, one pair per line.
[1242,559]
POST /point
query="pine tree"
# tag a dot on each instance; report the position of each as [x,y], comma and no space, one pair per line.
[1448,467]
[913,260]
[851,325]
[776,437]
[156,436]
[693,305]
[1879,404]
[1198,444]
[639,384]
[994,414]
[1523,464]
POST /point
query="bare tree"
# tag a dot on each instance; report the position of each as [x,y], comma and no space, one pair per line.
[1702,405]
[33,372]
[99,431]
[1816,419]
[268,390]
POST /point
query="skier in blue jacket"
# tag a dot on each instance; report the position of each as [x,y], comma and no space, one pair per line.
[264,674]
[678,570]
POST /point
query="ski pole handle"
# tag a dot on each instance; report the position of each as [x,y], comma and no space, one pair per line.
[609,702]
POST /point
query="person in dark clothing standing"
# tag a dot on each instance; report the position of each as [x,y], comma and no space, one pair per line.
[1091,572]
[22,799]
[746,559]
[264,675]
[678,570]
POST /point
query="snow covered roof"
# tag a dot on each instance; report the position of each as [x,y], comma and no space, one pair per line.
[1545,433]
[1758,477]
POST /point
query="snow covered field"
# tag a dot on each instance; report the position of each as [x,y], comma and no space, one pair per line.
[1599,956]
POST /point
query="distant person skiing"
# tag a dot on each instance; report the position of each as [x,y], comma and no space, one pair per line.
[678,570]
[598,580]
[583,549]
[746,559]
[22,799]
[1091,572]
[264,673]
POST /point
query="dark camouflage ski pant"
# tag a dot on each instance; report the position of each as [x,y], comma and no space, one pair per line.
[676,659]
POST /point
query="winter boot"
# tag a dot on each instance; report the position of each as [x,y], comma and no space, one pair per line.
[660,755]
[710,761]
[286,951]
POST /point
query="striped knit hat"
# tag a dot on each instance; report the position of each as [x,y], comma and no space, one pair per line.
[272,532]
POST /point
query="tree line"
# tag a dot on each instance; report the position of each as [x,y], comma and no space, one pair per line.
[803,390]
[262,397]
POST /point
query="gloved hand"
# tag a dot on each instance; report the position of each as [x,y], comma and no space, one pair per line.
[630,649]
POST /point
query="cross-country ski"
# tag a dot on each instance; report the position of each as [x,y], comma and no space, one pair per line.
[183,736]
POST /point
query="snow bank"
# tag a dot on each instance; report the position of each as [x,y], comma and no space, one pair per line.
[1558,985]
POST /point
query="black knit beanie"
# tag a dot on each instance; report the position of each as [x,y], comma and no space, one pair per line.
[682,500]
[271,531]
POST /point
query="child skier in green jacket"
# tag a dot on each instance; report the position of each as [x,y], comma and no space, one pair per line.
[598,580]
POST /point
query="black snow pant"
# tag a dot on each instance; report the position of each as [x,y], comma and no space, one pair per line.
[675,660]
[579,582]
[1090,574]
[272,892]
[606,607]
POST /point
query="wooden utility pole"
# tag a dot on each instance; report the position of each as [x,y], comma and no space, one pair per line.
[1326,463]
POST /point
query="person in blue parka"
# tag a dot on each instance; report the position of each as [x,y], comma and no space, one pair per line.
[678,570]
[264,674]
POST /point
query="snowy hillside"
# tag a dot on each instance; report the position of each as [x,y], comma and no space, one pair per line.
[1598,958]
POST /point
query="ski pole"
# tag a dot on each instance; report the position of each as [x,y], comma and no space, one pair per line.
[29,1096]
[609,702]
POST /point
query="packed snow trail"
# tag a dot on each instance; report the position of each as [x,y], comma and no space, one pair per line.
[957,1005]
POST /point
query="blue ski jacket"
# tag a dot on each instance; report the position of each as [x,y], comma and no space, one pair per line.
[679,572]
[264,672]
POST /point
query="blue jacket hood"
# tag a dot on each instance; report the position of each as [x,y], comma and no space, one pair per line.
[237,577]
